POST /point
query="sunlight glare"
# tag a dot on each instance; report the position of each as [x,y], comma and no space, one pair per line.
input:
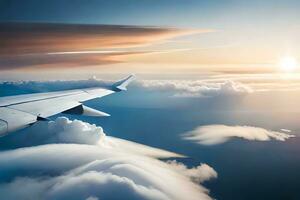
[288,64]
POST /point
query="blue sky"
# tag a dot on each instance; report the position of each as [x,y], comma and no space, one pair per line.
[130,12]
[189,13]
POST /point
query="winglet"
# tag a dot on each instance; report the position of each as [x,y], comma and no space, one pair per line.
[122,84]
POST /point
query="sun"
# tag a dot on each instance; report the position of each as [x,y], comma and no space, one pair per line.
[288,64]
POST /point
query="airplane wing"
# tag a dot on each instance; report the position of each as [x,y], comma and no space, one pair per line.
[20,111]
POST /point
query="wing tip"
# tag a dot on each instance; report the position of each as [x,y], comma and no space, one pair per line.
[122,84]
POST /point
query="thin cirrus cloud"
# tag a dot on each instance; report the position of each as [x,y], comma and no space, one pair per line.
[70,45]
[216,134]
[101,167]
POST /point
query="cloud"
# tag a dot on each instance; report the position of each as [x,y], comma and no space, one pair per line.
[261,82]
[216,134]
[55,85]
[57,61]
[197,88]
[285,130]
[173,88]
[69,45]
[63,130]
[66,131]
[92,198]
[110,168]
[198,174]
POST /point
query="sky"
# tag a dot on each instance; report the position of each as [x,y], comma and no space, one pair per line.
[213,112]
[179,36]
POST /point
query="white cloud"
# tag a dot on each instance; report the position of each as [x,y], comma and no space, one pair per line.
[92,198]
[199,174]
[64,130]
[55,85]
[207,85]
[111,168]
[215,134]
[196,88]
[285,130]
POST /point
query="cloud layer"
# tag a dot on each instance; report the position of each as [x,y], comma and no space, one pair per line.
[110,168]
[197,88]
[202,87]
[216,134]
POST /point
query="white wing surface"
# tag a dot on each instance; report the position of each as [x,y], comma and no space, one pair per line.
[19,111]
